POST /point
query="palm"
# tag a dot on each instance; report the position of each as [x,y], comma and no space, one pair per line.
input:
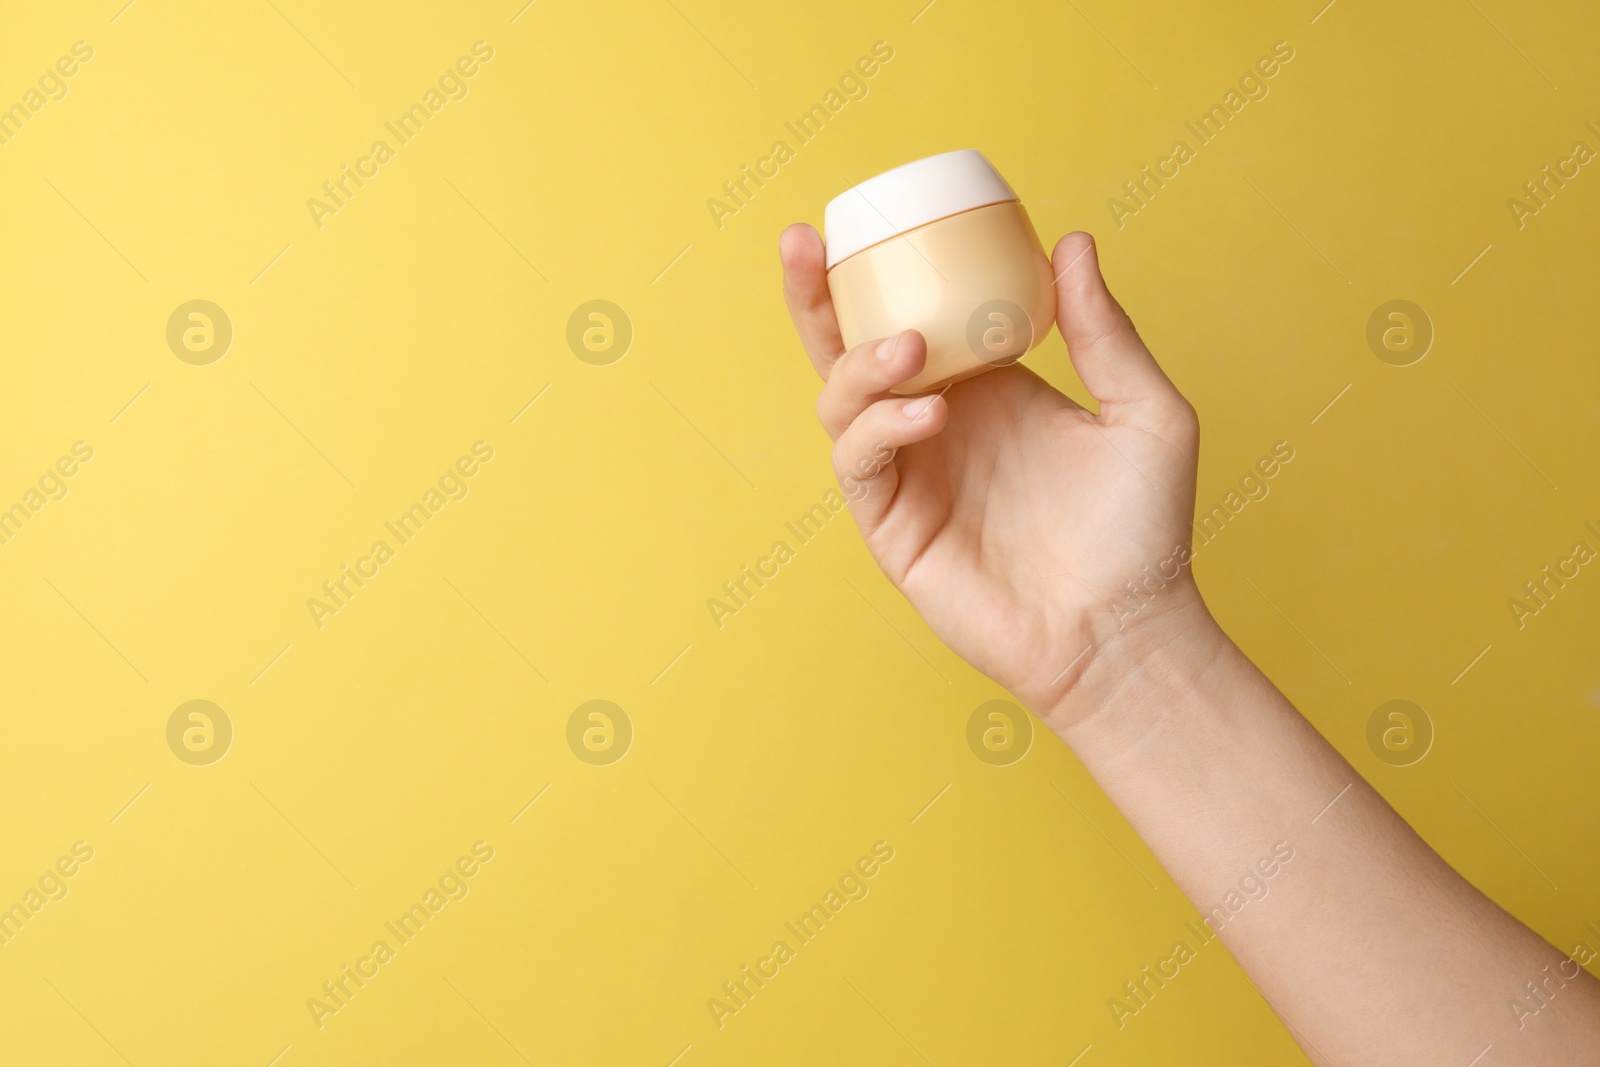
[1020,521]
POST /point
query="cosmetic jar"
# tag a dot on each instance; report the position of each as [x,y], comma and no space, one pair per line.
[942,246]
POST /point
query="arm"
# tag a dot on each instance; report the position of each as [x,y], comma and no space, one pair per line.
[1369,946]
[1013,519]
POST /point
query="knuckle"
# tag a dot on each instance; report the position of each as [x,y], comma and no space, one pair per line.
[1182,417]
[841,457]
[851,364]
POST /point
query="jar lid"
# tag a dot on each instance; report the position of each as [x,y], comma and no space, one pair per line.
[909,196]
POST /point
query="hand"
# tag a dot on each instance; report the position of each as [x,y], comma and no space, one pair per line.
[1010,516]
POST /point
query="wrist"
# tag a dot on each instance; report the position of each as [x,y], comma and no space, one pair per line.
[1134,671]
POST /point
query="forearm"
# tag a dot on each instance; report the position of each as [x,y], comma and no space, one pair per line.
[1364,940]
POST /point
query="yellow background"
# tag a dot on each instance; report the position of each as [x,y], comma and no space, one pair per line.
[768,755]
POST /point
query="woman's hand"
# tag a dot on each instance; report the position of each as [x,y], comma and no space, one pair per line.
[1028,532]
[1015,521]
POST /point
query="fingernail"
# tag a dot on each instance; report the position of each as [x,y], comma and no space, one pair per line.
[915,409]
[885,351]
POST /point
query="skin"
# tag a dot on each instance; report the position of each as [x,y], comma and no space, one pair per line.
[1011,518]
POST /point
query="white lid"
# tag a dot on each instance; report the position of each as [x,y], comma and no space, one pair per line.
[910,196]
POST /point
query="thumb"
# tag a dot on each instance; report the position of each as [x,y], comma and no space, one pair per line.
[1106,351]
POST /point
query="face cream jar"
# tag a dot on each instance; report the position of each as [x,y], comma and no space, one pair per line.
[942,246]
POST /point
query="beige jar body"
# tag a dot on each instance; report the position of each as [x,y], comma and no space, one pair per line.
[977,285]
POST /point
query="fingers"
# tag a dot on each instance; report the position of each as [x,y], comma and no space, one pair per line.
[865,374]
[805,290]
[863,457]
[1106,351]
